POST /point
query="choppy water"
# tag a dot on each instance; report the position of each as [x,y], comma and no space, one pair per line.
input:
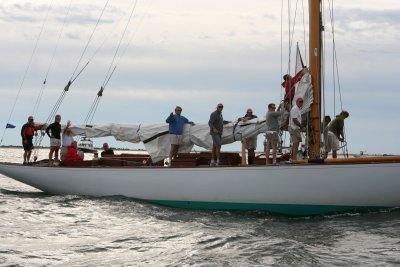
[44,230]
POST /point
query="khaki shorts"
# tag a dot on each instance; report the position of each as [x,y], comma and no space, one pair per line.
[332,142]
[272,140]
[55,142]
[251,142]
[295,135]
[175,139]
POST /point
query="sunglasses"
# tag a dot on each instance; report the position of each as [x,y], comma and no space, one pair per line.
[178,109]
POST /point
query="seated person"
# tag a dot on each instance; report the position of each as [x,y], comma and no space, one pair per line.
[72,152]
[106,150]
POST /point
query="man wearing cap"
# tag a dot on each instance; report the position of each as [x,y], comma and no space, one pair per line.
[28,130]
[176,123]
[295,126]
[271,136]
[335,134]
[216,124]
[106,150]
[250,142]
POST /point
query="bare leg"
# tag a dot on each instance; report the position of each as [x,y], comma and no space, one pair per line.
[28,155]
[334,154]
[295,148]
[251,156]
[51,153]
[214,153]
[173,151]
[217,153]
[56,149]
[267,154]
[273,156]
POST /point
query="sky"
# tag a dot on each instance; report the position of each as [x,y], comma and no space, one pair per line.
[196,54]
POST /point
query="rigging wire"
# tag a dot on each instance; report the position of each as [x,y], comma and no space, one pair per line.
[110,70]
[87,45]
[40,95]
[336,74]
[27,69]
[133,35]
[304,33]
[53,112]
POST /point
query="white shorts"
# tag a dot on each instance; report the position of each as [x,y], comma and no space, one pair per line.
[175,139]
[55,142]
[332,142]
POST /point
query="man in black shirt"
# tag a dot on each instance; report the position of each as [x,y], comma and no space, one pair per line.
[54,132]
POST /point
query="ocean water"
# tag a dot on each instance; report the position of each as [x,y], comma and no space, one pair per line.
[37,229]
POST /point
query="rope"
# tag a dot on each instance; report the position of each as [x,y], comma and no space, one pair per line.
[87,45]
[26,70]
[336,74]
[40,95]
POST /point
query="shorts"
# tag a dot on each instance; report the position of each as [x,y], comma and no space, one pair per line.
[251,142]
[175,139]
[29,145]
[217,140]
[295,135]
[332,142]
[55,142]
[272,140]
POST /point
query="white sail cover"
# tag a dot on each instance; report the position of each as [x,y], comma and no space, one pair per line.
[156,139]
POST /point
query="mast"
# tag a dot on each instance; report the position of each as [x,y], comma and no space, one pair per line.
[315,29]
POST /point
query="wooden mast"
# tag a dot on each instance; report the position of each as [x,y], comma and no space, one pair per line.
[315,28]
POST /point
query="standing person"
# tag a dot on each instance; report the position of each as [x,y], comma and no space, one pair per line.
[272,137]
[67,139]
[176,123]
[324,127]
[250,142]
[54,132]
[106,150]
[335,134]
[28,130]
[289,83]
[216,124]
[295,126]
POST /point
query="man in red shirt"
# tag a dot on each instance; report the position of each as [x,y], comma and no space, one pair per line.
[289,83]
[28,130]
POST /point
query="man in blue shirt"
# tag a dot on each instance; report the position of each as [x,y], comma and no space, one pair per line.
[176,123]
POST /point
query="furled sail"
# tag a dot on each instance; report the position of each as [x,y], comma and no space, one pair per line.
[156,139]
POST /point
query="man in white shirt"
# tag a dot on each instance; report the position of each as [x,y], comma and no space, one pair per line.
[295,126]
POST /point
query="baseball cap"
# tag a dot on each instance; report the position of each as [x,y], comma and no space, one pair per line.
[249,110]
[30,118]
[220,105]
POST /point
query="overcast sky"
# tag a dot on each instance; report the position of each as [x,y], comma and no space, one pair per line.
[196,54]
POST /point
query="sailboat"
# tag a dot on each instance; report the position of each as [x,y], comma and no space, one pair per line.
[308,187]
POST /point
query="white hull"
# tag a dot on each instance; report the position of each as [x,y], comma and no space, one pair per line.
[341,186]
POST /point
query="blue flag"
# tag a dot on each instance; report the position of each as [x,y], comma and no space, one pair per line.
[10,126]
